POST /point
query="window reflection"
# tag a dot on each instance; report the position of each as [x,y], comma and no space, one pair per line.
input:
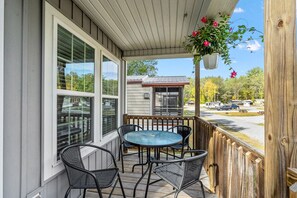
[74,120]
[109,77]
[75,64]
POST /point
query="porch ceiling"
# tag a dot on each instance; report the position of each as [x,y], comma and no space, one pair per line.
[151,28]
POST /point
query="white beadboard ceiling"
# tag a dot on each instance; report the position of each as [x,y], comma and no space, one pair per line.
[151,28]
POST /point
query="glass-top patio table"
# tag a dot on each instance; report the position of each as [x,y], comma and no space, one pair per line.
[151,139]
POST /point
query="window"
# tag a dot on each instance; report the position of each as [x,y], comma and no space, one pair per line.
[110,94]
[75,90]
[168,101]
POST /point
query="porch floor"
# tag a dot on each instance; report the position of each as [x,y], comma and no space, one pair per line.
[156,190]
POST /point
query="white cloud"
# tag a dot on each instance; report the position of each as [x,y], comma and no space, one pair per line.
[238,10]
[253,45]
[241,46]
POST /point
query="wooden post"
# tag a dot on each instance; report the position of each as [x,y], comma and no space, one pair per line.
[125,120]
[197,89]
[280,93]
[197,105]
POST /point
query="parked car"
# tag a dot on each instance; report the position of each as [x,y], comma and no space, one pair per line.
[224,107]
[228,107]
[234,106]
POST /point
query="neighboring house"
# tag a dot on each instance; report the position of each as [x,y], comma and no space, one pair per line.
[161,95]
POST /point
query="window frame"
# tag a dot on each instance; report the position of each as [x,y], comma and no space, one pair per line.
[61,92]
[50,166]
[111,134]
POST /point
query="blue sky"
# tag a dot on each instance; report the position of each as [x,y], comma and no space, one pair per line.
[247,12]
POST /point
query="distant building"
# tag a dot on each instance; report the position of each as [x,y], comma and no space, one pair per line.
[161,95]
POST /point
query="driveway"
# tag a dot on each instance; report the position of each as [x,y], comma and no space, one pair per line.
[248,125]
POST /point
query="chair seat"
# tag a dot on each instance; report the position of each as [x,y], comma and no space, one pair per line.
[128,145]
[104,177]
[172,173]
[178,146]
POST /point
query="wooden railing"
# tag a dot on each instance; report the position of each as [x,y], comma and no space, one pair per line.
[235,169]
[163,123]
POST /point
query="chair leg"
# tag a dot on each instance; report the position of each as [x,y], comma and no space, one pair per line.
[122,158]
[122,188]
[84,193]
[202,188]
[67,192]
[167,153]
[99,192]
[173,153]
[113,188]
[176,193]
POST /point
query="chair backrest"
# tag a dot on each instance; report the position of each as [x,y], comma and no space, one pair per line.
[71,158]
[192,167]
[122,130]
[184,131]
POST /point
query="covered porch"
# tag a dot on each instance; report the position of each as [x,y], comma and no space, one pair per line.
[124,30]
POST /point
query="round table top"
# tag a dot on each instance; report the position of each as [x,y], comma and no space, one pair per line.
[149,138]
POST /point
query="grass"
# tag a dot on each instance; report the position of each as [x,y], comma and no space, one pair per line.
[189,113]
[261,108]
[260,124]
[253,142]
[241,114]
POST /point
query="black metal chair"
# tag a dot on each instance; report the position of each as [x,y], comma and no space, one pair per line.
[122,130]
[81,178]
[180,173]
[185,132]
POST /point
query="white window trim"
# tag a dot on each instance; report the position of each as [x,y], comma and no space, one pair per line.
[112,134]
[50,167]
[1,92]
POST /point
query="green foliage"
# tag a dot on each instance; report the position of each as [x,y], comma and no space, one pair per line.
[142,67]
[189,91]
[247,87]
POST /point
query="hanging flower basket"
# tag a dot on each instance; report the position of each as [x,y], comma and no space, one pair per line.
[215,36]
[210,61]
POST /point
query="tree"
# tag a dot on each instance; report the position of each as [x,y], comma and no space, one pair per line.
[255,78]
[189,91]
[209,90]
[142,67]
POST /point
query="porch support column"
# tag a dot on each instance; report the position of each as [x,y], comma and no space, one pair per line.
[197,89]
[197,131]
[280,95]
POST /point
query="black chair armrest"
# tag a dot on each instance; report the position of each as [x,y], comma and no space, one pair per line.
[199,152]
[167,161]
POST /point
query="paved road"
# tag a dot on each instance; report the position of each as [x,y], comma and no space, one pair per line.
[246,125]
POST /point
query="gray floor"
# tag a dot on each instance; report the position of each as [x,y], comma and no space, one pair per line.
[160,189]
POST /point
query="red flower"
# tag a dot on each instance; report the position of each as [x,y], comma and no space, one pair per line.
[204,20]
[194,33]
[233,74]
[215,24]
[206,43]
[231,29]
